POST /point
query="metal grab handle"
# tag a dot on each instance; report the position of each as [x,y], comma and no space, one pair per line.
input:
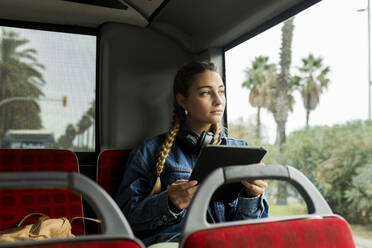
[113,220]
[195,217]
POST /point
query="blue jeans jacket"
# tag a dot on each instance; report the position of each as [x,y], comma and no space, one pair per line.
[150,216]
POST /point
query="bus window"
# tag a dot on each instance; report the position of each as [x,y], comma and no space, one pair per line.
[47,95]
[318,121]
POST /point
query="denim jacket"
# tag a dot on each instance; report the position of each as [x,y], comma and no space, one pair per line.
[150,216]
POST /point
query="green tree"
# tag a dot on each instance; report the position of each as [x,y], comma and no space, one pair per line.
[243,130]
[20,76]
[92,114]
[65,140]
[259,78]
[311,82]
[359,196]
[79,130]
[338,161]
[282,100]
[86,121]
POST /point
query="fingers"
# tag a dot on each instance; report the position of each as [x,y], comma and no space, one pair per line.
[260,163]
[180,181]
[181,192]
[260,183]
[255,187]
[183,184]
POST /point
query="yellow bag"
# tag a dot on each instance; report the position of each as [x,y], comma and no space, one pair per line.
[44,228]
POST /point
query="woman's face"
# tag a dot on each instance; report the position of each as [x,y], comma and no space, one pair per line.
[205,102]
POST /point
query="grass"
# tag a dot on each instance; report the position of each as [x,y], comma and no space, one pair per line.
[286,210]
[361,231]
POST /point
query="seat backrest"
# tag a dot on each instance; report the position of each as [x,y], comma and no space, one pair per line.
[17,203]
[115,230]
[328,231]
[110,169]
[319,228]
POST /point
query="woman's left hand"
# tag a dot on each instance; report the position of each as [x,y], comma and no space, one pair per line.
[255,187]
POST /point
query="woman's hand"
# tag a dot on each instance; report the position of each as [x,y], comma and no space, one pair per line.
[255,187]
[181,192]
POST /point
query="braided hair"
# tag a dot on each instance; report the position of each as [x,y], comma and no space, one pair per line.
[182,83]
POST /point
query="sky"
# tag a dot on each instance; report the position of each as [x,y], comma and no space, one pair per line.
[332,29]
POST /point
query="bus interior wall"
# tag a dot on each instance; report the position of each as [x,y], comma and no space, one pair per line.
[137,68]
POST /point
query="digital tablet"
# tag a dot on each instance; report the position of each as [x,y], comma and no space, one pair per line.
[212,157]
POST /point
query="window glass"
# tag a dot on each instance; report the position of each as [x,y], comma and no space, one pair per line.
[294,205]
[47,89]
[300,89]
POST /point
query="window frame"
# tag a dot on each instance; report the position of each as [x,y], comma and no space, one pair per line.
[85,158]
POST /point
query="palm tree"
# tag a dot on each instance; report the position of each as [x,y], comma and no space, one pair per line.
[311,82]
[92,114]
[83,124]
[65,140]
[282,100]
[20,76]
[259,78]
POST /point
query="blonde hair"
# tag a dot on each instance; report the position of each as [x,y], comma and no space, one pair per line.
[182,83]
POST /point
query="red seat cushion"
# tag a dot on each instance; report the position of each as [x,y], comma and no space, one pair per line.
[110,169]
[17,203]
[300,233]
[88,244]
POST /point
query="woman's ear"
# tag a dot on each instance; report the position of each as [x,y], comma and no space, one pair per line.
[181,100]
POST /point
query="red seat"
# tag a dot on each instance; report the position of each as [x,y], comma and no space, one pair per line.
[320,228]
[331,231]
[115,230]
[110,169]
[17,203]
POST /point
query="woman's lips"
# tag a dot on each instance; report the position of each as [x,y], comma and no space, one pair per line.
[217,112]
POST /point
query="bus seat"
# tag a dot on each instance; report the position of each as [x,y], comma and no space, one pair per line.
[330,231]
[319,228]
[17,203]
[115,230]
[110,169]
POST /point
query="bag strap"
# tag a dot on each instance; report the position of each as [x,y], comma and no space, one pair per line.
[85,218]
[44,216]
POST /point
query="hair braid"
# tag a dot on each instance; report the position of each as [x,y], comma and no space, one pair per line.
[165,149]
[216,128]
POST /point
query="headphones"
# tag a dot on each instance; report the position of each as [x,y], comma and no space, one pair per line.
[192,141]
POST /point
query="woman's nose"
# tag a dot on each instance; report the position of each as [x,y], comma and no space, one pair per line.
[218,99]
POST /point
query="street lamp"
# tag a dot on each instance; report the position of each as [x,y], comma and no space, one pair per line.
[369,61]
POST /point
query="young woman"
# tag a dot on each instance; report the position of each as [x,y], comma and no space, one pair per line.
[155,191]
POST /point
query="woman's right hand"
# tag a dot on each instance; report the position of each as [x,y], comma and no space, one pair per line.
[181,192]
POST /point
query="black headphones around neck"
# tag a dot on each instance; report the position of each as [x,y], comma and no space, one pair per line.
[192,141]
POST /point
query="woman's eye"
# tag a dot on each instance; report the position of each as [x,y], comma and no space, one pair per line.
[204,93]
[222,92]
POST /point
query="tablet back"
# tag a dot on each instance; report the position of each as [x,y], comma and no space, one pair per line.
[212,157]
